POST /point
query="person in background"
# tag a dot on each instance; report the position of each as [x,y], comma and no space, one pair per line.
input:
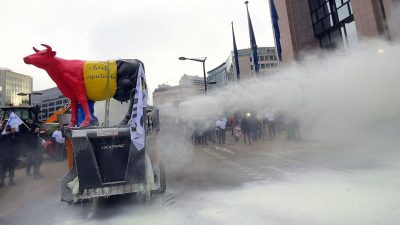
[293,128]
[10,153]
[234,122]
[35,153]
[217,131]
[253,127]
[221,125]
[271,124]
[246,128]
[59,140]
[2,155]
[237,132]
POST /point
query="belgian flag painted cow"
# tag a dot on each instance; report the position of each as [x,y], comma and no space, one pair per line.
[81,80]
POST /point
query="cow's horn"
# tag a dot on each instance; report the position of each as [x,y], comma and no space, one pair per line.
[48,47]
[35,49]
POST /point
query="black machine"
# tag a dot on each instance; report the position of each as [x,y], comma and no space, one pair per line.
[103,162]
[29,114]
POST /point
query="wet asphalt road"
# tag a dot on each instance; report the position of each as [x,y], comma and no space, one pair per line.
[275,181]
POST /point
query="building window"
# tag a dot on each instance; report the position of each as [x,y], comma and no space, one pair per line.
[262,66]
[343,12]
[51,103]
[329,19]
[59,102]
[351,34]
[261,58]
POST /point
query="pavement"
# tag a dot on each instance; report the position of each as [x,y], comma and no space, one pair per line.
[273,181]
[27,188]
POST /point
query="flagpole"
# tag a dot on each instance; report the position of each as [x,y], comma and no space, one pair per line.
[236,55]
[253,44]
[273,30]
[252,61]
[26,126]
[8,122]
[271,8]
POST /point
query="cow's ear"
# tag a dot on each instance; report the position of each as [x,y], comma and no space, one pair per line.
[53,53]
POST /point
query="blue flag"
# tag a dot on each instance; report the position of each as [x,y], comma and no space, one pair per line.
[235,55]
[253,43]
[275,24]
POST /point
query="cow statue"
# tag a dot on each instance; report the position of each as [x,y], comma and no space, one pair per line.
[81,80]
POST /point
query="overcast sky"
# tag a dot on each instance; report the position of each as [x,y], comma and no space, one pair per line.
[154,31]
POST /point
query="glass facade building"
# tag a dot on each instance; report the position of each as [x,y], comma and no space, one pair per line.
[12,83]
[225,73]
[49,102]
[333,23]
[306,25]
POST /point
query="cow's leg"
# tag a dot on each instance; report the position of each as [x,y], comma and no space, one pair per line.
[84,103]
[74,109]
[129,112]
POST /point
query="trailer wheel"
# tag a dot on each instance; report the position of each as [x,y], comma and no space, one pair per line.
[163,180]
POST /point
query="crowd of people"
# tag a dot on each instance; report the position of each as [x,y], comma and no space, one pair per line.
[246,125]
[25,142]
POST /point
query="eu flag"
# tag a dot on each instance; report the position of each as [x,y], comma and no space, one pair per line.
[275,18]
[235,55]
[253,43]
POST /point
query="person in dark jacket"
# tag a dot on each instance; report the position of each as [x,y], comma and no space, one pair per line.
[2,148]
[245,124]
[9,155]
[34,152]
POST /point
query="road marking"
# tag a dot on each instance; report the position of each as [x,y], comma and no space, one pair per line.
[244,169]
[293,161]
[276,169]
[224,149]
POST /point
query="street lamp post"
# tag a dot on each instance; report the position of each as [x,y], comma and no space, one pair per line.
[203,60]
[29,96]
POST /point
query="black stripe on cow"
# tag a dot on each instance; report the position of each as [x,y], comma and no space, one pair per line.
[127,74]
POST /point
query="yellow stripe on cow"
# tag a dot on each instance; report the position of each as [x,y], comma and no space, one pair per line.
[95,77]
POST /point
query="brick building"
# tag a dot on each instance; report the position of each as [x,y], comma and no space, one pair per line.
[308,24]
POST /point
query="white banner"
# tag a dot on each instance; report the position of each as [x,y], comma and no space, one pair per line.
[13,121]
[137,130]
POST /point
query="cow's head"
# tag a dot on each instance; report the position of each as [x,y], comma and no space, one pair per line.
[40,58]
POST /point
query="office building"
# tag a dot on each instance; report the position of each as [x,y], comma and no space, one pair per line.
[226,72]
[329,24]
[49,102]
[12,83]
[165,94]
[194,82]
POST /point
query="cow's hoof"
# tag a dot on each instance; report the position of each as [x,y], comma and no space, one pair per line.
[71,125]
[84,124]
